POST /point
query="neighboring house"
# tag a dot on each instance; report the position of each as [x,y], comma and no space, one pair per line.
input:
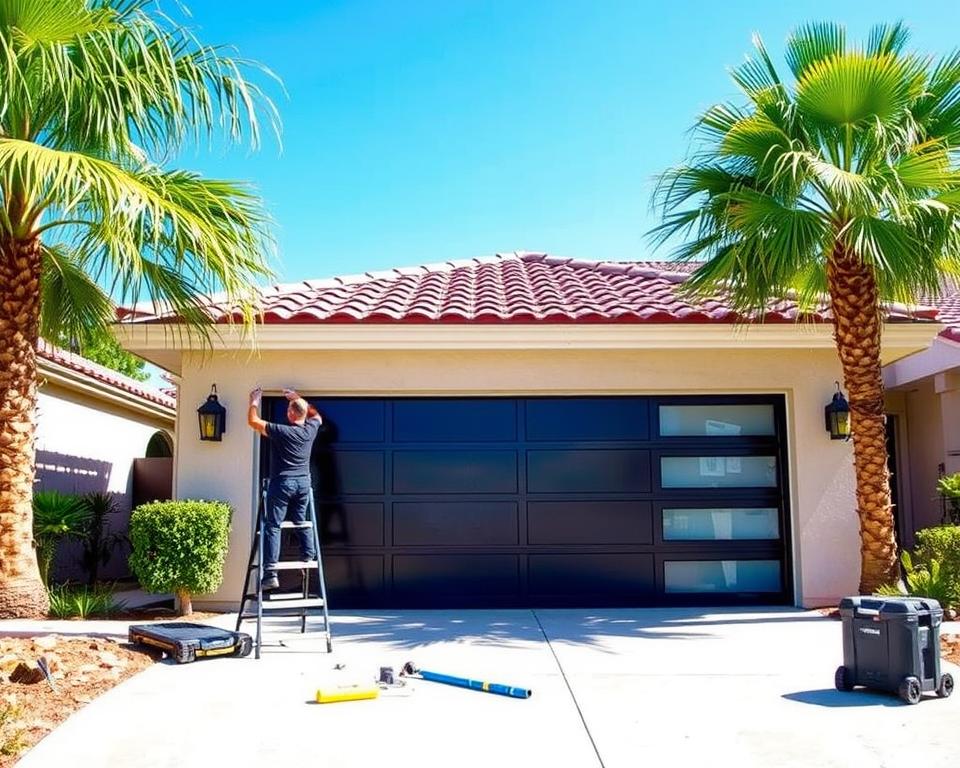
[101,431]
[923,395]
[530,430]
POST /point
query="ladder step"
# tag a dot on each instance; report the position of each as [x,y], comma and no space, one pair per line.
[288,604]
[290,565]
[288,524]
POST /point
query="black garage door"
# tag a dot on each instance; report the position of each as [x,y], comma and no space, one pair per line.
[586,501]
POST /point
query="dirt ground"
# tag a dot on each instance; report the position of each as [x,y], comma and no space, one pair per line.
[950,648]
[81,669]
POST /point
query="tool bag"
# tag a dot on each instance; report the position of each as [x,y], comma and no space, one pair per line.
[185,642]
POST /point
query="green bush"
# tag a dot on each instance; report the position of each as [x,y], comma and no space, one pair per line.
[179,547]
[949,488]
[942,544]
[82,602]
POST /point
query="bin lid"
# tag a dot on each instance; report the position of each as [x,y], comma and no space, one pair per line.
[890,607]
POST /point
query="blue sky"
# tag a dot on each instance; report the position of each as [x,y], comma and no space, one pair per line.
[428,130]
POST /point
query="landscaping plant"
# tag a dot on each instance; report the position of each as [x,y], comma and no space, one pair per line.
[179,547]
[98,540]
[837,184]
[68,601]
[97,97]
[941,544]
[56,516]
[927,580]
[949,487]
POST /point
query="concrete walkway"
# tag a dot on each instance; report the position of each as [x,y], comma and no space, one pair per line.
[617,689]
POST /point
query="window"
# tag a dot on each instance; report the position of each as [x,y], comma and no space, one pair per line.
[717,420]
[720,524]
[720,576]
[718,472]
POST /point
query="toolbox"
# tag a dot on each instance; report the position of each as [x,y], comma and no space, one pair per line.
[185,642]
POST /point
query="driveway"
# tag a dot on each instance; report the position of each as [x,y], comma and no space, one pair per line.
[612,688]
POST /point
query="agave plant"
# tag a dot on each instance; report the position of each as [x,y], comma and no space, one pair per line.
[56,516]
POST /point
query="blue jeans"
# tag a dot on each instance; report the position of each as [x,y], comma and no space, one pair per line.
[287,499]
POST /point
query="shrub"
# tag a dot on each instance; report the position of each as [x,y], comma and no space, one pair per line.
[12,734]
[97,539]
[56,516]
[81,602]
[928,579]
[949,488]
[942,544]
[179,547]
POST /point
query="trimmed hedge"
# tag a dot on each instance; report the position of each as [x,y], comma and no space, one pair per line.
[942,544]
[180,546]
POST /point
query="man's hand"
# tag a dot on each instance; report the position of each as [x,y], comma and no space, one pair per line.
[255,396]
[253,417]
[290,394]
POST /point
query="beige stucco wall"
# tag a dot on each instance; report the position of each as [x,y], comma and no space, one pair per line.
[85,444]
[926,452]
[96,442]
[825,533]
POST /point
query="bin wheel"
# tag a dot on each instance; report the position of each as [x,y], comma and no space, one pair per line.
[842,680]
[946,685]
[910,690]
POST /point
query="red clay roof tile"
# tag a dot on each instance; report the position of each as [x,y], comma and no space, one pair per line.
[510,288]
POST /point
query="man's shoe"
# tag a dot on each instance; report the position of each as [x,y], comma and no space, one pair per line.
[269,582]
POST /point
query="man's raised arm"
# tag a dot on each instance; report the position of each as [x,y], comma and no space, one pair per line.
[253,413]
[312,413]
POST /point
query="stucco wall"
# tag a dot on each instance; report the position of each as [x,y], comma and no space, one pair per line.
[926,453]
[88,445]
[825,531]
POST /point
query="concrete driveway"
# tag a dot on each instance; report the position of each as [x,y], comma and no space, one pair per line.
[612,688]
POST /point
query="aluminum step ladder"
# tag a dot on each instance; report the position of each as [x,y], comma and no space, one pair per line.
[255,604]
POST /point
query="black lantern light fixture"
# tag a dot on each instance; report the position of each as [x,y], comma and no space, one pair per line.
[213,417]
[837,416]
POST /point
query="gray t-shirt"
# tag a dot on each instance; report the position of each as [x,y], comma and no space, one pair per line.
[290,446]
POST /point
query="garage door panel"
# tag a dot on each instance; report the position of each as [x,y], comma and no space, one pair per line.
[589,522]
[352,421]
[453,523]
[346,473]
[351,523]
[454,421]
[466,577]
[587,419]
[612,575]
[575,470]
[355,579]
[454,471]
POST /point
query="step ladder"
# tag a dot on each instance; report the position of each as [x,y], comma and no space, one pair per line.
[255,604]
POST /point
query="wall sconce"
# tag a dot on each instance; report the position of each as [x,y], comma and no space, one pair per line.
[213,417]
[837,416]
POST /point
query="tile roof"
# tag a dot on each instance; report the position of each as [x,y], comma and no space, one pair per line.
[510,288]
[948,304]
[102,374]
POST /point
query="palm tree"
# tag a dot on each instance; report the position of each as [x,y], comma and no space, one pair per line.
[840,182]
[94,96]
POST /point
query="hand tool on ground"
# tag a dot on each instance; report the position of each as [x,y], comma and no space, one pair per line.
[411,669]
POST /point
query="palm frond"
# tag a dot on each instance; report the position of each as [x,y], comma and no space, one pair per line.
[73,308]
[812,44]
[887,39]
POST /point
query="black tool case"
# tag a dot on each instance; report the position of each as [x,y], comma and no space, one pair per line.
[186,642]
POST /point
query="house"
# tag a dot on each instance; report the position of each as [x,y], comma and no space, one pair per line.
[531,430]
[923,397]
[101,431]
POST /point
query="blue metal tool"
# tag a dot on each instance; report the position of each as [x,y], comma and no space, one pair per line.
[463,682]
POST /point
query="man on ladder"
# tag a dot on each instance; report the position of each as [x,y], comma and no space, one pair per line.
[289,486]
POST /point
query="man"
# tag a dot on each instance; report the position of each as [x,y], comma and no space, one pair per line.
[289,486]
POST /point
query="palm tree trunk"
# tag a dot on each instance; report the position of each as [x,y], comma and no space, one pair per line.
[21,592]
[857,322]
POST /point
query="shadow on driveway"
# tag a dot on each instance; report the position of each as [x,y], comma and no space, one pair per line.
[830,697]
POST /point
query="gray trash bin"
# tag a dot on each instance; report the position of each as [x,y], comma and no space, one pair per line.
[892,644]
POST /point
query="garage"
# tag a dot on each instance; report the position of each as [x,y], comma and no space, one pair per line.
[552,501]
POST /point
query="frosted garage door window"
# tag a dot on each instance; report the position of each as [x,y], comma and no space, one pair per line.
[718,471]
[716,420]
[720,524]
[721,576]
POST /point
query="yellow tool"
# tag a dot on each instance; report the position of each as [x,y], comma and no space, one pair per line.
[335,692]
